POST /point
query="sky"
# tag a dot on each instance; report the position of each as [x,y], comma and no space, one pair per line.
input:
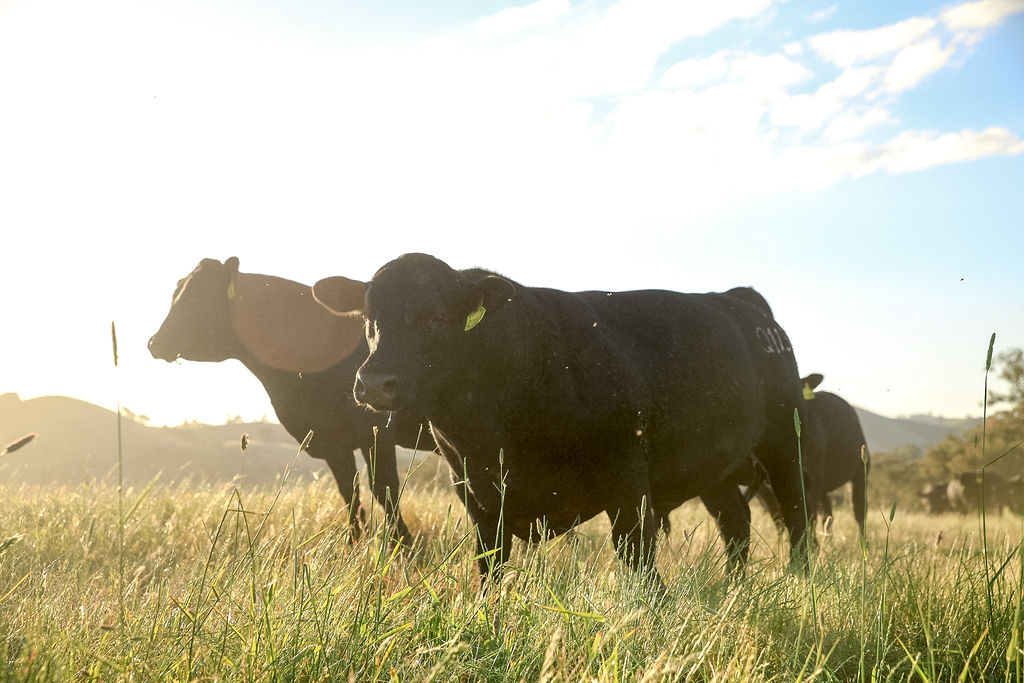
[860,163]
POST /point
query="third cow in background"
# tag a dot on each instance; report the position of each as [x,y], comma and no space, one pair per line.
[834,453]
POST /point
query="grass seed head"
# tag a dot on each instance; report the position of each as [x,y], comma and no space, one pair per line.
[18,443]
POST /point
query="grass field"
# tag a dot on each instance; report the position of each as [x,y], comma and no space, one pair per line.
[214,581]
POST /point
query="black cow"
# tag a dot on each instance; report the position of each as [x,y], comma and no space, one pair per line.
[1016,483]
[934,499]
[558,406]
[965,492]
[832,454]
[305,358]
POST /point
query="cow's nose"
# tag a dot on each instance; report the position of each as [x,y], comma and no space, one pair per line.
[376,389]
[154,347]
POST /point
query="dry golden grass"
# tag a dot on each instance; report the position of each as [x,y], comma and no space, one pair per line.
[261,584]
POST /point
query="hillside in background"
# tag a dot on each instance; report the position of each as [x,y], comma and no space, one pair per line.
[887,433]
[77,441]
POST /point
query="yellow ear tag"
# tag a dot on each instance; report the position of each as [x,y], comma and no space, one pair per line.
[474,318]
[808,392]
[231,289]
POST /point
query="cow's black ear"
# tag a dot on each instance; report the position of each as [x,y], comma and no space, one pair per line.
[491,293]
[812,381]
[495,291]
[341,296]
[232,264]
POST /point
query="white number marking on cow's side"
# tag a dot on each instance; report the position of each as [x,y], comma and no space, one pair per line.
[773,340]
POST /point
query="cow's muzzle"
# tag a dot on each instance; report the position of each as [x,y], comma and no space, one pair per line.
[376,389]
[161,351]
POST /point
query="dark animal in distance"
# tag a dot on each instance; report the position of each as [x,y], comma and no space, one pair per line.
[306,360]
[558,406]
[934,499]
[832,453]
[1016,483]
[965,492]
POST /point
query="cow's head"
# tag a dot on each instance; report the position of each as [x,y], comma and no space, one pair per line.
[420,315]
[198,326]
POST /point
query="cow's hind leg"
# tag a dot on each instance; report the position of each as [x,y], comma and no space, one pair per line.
[635,529]
[727,505]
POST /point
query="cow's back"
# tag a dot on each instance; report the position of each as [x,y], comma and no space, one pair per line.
[718,375]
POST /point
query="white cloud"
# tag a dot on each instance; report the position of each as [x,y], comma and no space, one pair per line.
[847,48]
[768,71]
[664,22]
[913,63]
[980,15]
[690,73]
[765,71]
[812,111]
[822,14]
[529,17]
[916,150]
[814,167]
[623,44]
[849,125]
[558,108]
[851,83]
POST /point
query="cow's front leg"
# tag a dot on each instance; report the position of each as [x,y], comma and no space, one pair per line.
[383,468]
[790,486]
[343,467]
[493,539]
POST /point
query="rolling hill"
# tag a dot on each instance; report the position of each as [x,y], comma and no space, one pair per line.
[77,442]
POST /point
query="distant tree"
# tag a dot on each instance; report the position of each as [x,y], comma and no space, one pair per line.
[898,474]
[1012,373]
[1002,432]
